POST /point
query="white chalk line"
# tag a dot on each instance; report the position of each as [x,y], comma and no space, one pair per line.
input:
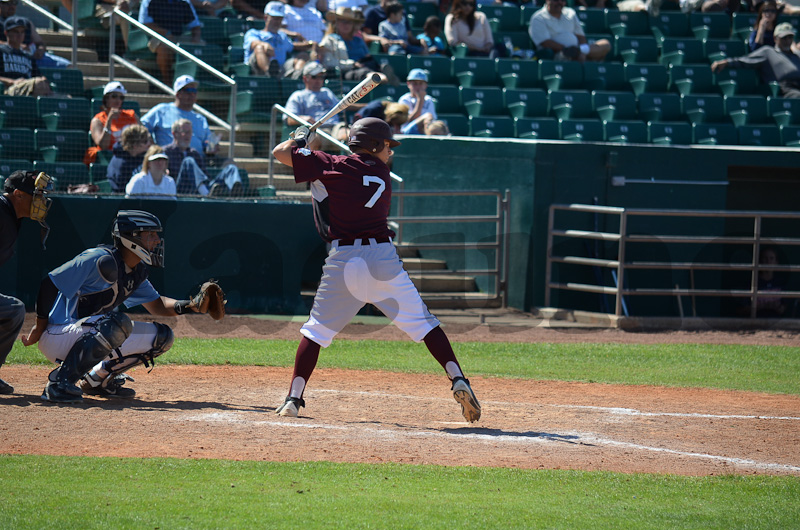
[576,438]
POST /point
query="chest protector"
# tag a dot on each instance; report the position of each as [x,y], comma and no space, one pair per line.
[123,283]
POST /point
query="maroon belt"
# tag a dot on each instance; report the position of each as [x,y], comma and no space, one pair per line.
[365,241]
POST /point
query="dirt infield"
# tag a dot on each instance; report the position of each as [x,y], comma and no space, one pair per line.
[354,416]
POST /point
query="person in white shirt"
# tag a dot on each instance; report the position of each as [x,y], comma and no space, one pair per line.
[361,5]
[422,107]
[558,28]
[303,18]
[153,181]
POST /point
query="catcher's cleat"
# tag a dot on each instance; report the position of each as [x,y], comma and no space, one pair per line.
[112,389]
[5,388]
[291,407]
[60,393]
[463,393]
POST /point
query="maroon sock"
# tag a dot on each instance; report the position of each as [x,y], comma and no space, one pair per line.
[439,346]
[305,360]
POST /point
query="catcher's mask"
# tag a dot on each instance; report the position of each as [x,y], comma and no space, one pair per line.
[128,227]
[370,133]
[36,185]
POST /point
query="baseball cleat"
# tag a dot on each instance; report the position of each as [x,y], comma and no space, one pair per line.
[56,394]
[290,408]
[112,389]
[463,393]
[5,388]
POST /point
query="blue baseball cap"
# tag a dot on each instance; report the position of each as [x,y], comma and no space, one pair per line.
[417,74]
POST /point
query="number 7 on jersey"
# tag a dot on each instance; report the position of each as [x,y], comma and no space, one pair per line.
[369,179]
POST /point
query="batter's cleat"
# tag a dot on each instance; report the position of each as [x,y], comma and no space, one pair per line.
[463,393]
[5,388]
[113,388]
[291,407]
[61,393]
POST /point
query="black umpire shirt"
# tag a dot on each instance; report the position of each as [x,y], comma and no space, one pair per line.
[9,229]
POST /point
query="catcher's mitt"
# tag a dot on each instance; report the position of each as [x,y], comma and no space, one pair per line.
[210,299]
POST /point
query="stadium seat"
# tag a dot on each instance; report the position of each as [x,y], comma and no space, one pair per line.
[738,81]
[440,69]
[581,130]
[17,143]
[234,61]
[65,173]
[660,107]
[447,98]
[419,11]
[706,108]
[593,20]
[647,77]
[98,172]
[502,17]
[8,166]
[518,74]
[255,96]
[561,75]
[289,86]
[536,128]
[208,84]
[742,24]
[625,132]
[669,133]
[234,26]
[628,22]
[690,51]
[790,135]
[213,30]
[532,103]
[457,123]
[482,101]
[571,104]
[399,64]
[710,25]
[714,134]
[386,91]
[670,24]
[63,113]
[759,135]
[604,76]
[716,49]
[518,40]
[692,79]
[61,146]
[475,71]
[784,111]
[614,106]
[491,127]
[65,81]
[19,111]
[636,49]
[747,110]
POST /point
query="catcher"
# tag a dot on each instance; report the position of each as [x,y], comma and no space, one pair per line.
[78,328]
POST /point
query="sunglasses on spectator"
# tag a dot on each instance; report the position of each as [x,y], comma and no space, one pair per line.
[770,11]
[117,95]
[189,90]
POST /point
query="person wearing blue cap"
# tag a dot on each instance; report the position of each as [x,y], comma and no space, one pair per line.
[422,107]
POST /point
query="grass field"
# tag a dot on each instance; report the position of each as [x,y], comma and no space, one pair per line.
[47,492]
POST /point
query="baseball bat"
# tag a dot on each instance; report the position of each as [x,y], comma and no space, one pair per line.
[359,91]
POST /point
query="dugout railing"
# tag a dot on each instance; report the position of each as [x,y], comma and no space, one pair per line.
[564,231]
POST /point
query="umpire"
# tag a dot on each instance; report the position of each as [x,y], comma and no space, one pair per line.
[24,195]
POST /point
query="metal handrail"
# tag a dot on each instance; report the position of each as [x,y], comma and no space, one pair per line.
[57,20]
[113,57]
[622,238]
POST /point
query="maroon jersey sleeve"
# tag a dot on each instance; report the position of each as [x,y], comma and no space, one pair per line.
[352,194]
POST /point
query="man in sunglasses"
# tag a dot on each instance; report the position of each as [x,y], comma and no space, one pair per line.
[557,28]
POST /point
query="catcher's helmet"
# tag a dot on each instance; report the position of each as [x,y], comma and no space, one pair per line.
[128,226]
[370,133]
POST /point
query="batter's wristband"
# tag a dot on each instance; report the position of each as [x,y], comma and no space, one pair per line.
[182,306]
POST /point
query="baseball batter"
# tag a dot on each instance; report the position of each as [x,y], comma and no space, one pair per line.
[77,325]
[352,195]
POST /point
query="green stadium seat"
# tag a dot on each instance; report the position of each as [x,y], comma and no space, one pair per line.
[536,128]
[482,101]
[692,79]
[208,84]
[581,130]
[670,24]
[475,71]
[571,104]
[440,69]
[63,113]
[738,81]
[531,103]
[213,30]
[647,77]
[17,144]
[502,17]
[690,51]
[386,91]
[628,22]
[705,108]
[8,166]
[784,111]
[255,96]
[234,61]
[636,49]
[716,49]
[669,133]
[19,111]
[766,135]
[65,173]
[604,76]
[593,20]
[65,81]
[289,86]
[519,40]
[234,26]
[710,25]
[98,172]
[561,75]
[447,98]
[742,24]
[97,103]
[61,146]
[626,132]
[420,11]
[747,110]
[614,106]
[518,74]
[491,126]
[457,123]
[714,134]
[790,135]
[525,14]
[660,107]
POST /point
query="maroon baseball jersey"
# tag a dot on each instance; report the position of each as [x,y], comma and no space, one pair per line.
[352,194]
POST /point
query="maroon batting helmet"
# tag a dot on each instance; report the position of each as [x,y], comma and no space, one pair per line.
[370,133]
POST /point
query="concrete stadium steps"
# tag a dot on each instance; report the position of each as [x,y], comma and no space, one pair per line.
[443,283]
[85,55]
[414,264]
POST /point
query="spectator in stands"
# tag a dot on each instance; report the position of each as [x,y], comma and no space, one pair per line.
[103,10]
[465,25]
[775,63]
[342,48]
[187,166]
[360,5]
[397,34]
[33,42]
[437,128]
[302,18]
[395,114]
[170,19]
[431,36]
[762,34]
[268,51]
[214,8]
[420,104]
[557,27]
[107,125]
[128,156]
[153,181]
[311,103]
[250,9]
[18,70]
